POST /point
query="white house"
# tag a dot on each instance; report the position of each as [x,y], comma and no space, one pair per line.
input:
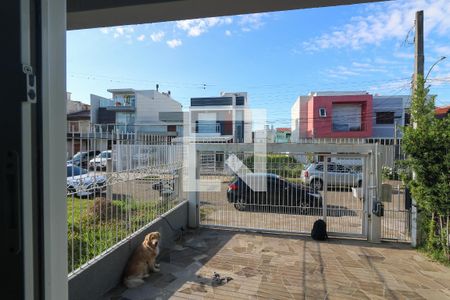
[143,111]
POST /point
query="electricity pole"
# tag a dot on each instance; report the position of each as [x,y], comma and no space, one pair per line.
[419,59]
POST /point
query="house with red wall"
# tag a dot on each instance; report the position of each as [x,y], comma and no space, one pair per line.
[332,115]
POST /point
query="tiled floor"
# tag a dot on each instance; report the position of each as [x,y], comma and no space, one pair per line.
[289,267]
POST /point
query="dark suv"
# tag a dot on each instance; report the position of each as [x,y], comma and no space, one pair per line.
[265,189]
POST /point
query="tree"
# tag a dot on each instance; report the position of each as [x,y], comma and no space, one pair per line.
[427,145]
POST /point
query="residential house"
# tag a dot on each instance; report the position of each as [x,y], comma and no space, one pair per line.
[73,105]
[226,118]
[137,111]
[389,114]
[442,112]
[332,115]
[78,125]
[283,135]
[266,135]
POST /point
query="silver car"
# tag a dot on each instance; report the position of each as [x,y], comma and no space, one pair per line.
[82,184]
[337,175]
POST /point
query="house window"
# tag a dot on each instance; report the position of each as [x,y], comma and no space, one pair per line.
[322,112]
[171,128]
[347,117]
[385,117]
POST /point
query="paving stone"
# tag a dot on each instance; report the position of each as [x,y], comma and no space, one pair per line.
[283,267]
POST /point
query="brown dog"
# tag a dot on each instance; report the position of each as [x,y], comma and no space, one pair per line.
[142,261]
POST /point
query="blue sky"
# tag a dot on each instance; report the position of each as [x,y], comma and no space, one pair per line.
[275,57]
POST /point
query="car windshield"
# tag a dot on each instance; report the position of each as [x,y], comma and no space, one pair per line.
[75,171]
[77,156]
[104,155]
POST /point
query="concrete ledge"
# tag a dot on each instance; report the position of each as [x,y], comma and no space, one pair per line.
[103,274]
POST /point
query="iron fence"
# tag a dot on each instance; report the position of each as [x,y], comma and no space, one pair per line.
[111,197]
[294,191]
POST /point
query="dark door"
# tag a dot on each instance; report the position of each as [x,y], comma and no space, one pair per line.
[19,151]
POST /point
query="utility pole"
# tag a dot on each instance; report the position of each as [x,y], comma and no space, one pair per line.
[419,60]
[419,57]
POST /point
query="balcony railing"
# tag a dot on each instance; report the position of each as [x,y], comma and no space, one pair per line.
[78,126]
[208,129]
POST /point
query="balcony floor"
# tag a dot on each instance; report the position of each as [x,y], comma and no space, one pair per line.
[289,267]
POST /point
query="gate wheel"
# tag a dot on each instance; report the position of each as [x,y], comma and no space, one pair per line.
[240,204]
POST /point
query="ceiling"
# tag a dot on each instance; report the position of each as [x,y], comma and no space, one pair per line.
[82,14]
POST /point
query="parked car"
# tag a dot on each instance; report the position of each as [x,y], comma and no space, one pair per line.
[81,159]
[80,183]
[166,187]
[337,175]
[250,191]
[100,161]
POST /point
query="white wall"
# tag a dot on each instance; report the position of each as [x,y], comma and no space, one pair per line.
[295,121]
[150,103]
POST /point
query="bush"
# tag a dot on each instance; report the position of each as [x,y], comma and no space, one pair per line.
[280,164]
[427,145]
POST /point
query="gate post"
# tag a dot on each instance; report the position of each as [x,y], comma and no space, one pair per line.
[193,168]
[375,196]
[325,187]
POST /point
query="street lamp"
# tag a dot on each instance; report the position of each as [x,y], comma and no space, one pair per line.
[431,68]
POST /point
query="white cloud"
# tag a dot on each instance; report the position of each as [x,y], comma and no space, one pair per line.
[404,55]
[227,32]
[174,43]
[197,27]
[104,30]
[251,21]
[121,31]
[396,87]
[141,38]
[341,72]
[442,50]
[361,65]
[390,20]
[157,36]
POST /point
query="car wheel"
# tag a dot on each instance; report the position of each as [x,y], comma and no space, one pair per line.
[317,184]
[240,205]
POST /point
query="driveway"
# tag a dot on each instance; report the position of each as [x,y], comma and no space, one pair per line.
[266,266]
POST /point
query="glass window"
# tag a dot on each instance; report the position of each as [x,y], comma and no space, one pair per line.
[342,169]
[75,171]
[331,168]
[385,117]
[105,155]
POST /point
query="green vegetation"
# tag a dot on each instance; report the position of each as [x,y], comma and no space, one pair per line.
[96,225]
[280,164]
[428,146]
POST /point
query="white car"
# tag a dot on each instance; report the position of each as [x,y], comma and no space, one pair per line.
[100,161]
[337,176]
[81,184]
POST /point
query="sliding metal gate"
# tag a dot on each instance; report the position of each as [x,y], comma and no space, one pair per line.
[288,203]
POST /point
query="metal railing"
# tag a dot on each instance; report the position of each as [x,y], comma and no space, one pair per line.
[108,199]
[78,126]
[294,194]
[118,196]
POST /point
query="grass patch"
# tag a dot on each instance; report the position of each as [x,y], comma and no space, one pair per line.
[204,212]
[95,225]
[435,256]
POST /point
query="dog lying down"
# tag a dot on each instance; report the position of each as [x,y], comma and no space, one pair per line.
[142,261]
